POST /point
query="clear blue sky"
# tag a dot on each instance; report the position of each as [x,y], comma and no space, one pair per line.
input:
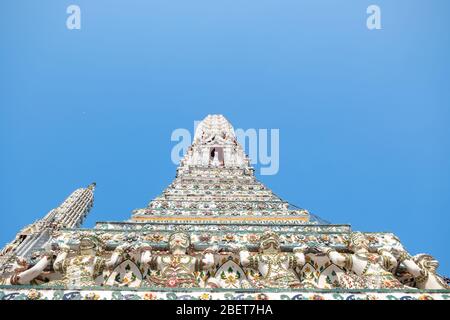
[363,115]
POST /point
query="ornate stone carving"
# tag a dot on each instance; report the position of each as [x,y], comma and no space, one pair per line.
[428,278]
[277,268]
[79,268]
[25,273]
[371,269]
[178,268]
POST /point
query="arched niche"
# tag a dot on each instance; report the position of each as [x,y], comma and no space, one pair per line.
[126,274]
[231,275]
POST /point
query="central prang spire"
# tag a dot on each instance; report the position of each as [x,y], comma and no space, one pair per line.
[215,182]
[215,145]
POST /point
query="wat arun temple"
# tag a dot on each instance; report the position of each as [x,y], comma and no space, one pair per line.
[215,232]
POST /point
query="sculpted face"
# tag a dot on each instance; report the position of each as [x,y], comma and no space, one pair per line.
[270,242]
[179,242]
[87,245]
[433,264]
[358,242]
[429,263]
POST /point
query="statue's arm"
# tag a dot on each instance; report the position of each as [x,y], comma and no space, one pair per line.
[116,256]
[114,260]
[299,256]
[245,257]
[146,254]
[388,261]
[59,261]
[208,260]
[208,257]
[403,257]
[27,276]
[335,257]
[150,259]
[412,268]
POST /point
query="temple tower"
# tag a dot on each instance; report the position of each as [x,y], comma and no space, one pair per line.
[36,236]
[216,232]
[215,182]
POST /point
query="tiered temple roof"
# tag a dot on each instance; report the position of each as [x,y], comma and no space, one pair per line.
[215,182]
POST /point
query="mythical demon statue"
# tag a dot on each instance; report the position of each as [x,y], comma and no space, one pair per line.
[277,268]
[178,268]
[25,273]
[81,267]
[371,268]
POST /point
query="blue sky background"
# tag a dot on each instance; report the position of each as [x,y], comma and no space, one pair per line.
[363,115]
